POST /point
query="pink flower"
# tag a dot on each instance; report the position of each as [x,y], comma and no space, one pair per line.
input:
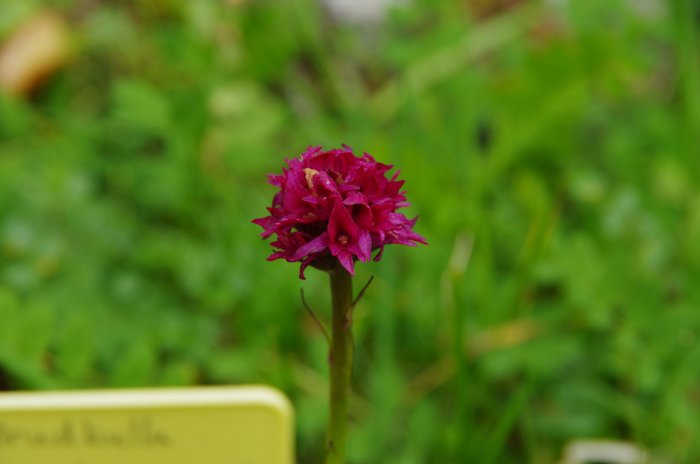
[335,205]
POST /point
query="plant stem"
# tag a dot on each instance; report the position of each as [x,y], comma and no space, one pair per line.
[340,361]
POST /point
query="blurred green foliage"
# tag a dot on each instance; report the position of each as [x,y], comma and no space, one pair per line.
[550,149]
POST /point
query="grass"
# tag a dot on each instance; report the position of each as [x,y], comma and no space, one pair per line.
[550,152]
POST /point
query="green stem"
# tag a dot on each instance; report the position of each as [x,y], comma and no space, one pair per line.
[340,361]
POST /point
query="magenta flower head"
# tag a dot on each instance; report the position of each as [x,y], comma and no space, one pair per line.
[333,205]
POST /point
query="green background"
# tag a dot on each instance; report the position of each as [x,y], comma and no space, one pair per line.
[549,148]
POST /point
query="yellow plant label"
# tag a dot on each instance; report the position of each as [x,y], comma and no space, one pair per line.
[210,425]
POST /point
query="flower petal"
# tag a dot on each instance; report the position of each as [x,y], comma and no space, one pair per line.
[316,245]
[346,260]
[365,246]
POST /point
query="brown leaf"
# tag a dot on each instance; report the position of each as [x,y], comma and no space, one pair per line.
[35,50]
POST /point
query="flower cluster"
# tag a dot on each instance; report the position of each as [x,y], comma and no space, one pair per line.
[333,204]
